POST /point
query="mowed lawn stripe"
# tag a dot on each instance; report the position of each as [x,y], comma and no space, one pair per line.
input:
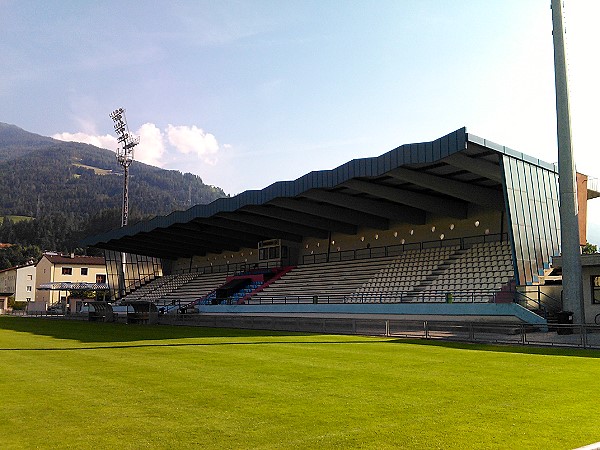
[116,386]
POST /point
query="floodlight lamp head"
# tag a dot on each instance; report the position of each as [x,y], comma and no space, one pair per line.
[124,138]
[117,113]
[124,157]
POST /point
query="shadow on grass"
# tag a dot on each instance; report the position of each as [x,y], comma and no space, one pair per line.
[190,344]
[527,350]
[119,334]
[99,332]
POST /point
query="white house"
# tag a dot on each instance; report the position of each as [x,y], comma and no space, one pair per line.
[17,282]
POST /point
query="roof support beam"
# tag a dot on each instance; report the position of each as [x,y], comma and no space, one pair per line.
[193,239]
[478,166]
[174,245]
[201,234]
[302,219]
[142,250]
[332,212]
[268,233]
[275,225]
[430,203]
[198,226]
[379,208]
[489,198]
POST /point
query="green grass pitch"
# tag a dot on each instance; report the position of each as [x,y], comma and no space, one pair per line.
[66,384]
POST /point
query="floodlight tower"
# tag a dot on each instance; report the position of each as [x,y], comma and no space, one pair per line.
[124,155]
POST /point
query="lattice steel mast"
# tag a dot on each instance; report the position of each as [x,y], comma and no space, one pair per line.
[124,155]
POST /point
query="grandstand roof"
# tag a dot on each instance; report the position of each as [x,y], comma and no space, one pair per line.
[405,185]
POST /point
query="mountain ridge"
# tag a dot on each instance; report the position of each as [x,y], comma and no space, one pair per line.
[73,188]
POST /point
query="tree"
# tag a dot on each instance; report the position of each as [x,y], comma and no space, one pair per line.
[17,255]
[588,249]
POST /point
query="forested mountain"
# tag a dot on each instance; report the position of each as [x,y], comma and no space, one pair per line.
[73,189]
[16,142]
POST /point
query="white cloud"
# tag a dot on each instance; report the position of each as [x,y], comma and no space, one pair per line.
[151,149]
[158,147]
[105,141]
[194,140]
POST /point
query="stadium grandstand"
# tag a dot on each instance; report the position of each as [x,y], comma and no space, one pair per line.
[459,227]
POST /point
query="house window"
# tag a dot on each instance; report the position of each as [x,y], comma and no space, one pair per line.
[28,299]
[100,278]
[28,289]
[30,277]
[67,271]
[84,270]
[595,281]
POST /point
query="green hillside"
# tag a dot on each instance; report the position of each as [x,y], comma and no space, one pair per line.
[72,189]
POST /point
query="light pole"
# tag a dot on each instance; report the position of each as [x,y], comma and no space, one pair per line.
[567,186]
[127,142]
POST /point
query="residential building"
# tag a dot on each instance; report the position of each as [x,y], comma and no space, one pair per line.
[54,270]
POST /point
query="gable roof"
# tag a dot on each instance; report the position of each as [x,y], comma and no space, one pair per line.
[76,260]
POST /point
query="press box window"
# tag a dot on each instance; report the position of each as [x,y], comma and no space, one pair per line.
[67,271]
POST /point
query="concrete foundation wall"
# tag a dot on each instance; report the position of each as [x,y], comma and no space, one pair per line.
[420,311]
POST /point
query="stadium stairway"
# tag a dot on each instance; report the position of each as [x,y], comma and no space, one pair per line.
[475,274]
[268,276]
[146,289]
[279,272]
[400,280]
[195,288]
[428,283]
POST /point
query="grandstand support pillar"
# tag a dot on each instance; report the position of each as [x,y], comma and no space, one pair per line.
[569,222]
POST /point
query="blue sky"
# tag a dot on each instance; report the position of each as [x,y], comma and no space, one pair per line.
[245,93]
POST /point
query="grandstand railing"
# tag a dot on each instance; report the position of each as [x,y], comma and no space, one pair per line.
[136,284]
[531,303]
[228,268]
[348,255]
[398,249]
[471,296]
[536,295]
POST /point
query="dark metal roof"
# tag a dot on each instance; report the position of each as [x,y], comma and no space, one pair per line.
[404,185]
[75,260]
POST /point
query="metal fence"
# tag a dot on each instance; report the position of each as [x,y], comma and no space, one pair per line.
[571,336]
[470,296]
[399,249]
[551,335]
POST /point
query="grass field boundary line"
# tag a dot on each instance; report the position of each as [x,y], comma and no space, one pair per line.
[595,446]
[189,344]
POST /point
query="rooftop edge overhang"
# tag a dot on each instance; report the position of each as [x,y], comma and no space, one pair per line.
[405,185]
